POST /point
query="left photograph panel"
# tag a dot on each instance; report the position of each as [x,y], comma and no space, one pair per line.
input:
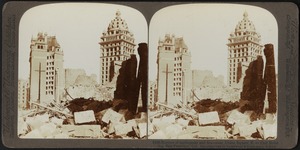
[83,72]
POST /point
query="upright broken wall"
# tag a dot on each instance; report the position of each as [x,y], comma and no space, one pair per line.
[270,78]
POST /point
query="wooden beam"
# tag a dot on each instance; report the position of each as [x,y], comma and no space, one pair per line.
[67,115]
[180,111]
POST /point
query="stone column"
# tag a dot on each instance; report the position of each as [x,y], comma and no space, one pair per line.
[254,87]
[270,78]
[131,84]
[120,85]
[143,74]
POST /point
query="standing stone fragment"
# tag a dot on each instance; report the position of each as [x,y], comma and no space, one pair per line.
[270,78]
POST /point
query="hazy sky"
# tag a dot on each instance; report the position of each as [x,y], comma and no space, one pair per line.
[78,28]
[205,29]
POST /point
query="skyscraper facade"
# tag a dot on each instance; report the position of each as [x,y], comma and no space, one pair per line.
[244,45]
[46,69]
[117,44]
[174,71]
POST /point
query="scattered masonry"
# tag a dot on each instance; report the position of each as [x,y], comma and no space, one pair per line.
[82,118]
[210,119]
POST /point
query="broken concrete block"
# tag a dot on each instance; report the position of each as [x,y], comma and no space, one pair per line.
[216,132]
[23,128]
[208,118]
[270,118]
[91,131]
[160,125]
[56,121]
[158,135]
[269,131]
[122,129]
[185,136]
[84,117]
[168,119]
[183,122]
[238,118]
[33,134]
[150,128]
[112,116]
[43,118]
[61,136]
[132,122]
[172,131]
[47,129]
[142,127]
[34,123]
[247,130]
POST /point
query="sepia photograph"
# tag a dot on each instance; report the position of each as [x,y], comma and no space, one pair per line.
[82,72]
[213,73]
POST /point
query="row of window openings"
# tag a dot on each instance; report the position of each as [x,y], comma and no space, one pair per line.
[239,60]
[177,84]
[176,94]
[177,58]
[177,74]
[40,47]
[177,64]
[50,63]
[49,82]
[49,87]
[50,78]
[177,69]
[104,68]
[104,77]
[50,73]
[123,37]
[239,55]
[49,92]
[113,58]
[167,48]
[50,57]
[49,68]
[177,79]
[118,44]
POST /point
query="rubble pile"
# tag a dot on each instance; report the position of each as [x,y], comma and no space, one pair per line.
[86,91]
[211,119]
[226,94]
[84,118]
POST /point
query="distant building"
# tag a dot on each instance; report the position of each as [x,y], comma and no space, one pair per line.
[22,93]
[117,43]
[174,71]
[205,78]
[152,93]
[71,75]
[244,45]
[46,69]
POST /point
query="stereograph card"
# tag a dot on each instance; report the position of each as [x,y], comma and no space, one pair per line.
[150,75]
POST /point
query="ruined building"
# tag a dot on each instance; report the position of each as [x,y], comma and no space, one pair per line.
[117,44]
[174,75]
[152,93]
[244,45]
[46,69]
[22,93]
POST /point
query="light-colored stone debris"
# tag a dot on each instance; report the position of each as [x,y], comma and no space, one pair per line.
[238,118]
[84,117]
[158,135]
[111,116]
[208,118]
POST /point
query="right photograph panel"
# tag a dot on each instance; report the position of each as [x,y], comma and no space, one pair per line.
[213,73]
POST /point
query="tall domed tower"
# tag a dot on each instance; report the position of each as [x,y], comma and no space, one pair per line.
[117,44]
[244,45]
